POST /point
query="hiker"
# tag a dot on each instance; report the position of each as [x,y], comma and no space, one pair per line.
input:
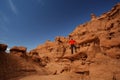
[72,45]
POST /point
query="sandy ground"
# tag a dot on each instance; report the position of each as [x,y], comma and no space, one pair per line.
[53,77]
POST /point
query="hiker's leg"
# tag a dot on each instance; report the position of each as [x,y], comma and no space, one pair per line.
[75,49]
[71,49]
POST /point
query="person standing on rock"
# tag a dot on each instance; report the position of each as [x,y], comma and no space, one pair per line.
[72,45]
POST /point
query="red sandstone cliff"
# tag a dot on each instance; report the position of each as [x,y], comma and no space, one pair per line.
[101,33]
[98,38]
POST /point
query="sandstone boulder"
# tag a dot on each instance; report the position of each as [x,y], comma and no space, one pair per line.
[18,50]
[3,47]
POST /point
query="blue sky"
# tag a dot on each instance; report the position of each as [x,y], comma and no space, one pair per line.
[31,22]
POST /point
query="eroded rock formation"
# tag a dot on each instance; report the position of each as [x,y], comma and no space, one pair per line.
[97,57]
[98,39]
[18,50]
[3,47]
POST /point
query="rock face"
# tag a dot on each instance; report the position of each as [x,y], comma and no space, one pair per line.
[3,47]
[98,39]
[12,65]
[104,32]
[100,34]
